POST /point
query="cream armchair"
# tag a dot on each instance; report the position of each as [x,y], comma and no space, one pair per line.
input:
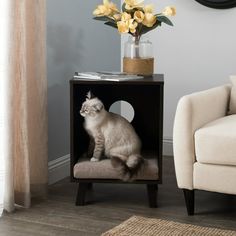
[205,144]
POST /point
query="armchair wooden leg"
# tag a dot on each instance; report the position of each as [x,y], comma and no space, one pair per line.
[189,201]
[152,190]
[81,194]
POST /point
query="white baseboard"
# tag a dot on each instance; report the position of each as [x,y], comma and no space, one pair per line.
[58,169]
[168,147]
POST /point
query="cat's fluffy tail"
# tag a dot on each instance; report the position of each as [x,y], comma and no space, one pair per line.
[129,169]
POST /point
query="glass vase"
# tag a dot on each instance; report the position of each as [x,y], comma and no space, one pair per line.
[138,56]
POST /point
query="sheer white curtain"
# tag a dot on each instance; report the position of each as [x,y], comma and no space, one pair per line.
[4,33]
[23,102]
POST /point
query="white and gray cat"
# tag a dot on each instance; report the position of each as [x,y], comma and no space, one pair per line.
[112,135]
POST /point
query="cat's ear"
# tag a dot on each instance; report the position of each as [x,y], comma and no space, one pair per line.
[98,107]
[90,95]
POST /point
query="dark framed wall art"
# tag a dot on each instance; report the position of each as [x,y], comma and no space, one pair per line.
[219,4]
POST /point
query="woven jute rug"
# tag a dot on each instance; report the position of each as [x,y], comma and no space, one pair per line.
[140,226]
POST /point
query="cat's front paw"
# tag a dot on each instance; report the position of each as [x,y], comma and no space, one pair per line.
[94,159]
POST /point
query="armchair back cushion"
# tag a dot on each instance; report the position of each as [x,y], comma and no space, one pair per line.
[232,105]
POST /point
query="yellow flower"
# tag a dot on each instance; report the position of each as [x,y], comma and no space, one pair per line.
[110,5]
[117,17]
[169,11]
[127,26]
[131,4]
[132,25]
[102,10]
[123,27]
[139,16]
[108,8]
[149,20]
[125,16]
[149,8]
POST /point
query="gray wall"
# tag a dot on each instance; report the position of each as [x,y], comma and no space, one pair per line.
[197,53]
[75,42]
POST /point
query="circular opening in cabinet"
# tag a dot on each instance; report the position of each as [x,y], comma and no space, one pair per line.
[124,109]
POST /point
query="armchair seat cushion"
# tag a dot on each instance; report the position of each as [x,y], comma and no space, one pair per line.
[215,143]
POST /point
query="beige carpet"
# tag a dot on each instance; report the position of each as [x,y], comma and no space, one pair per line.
[140,226]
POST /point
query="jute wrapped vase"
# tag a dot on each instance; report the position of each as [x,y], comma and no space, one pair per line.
[138,56]
[138,66]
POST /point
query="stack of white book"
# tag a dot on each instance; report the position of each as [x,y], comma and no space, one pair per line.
[109,76]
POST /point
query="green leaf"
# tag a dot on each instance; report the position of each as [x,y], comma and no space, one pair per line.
[112,24]
[165,20]
[123,7]
[102,18]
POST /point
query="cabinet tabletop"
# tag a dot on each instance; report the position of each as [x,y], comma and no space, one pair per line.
[154,79]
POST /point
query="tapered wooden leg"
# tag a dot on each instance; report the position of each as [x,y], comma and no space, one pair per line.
[152,190]
[189,201]
[81,194]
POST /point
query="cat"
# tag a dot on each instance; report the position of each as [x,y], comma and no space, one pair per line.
[112,135]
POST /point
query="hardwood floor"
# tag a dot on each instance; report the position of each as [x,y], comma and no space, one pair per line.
[110,204]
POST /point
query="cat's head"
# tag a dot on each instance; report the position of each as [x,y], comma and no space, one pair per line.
[92,106]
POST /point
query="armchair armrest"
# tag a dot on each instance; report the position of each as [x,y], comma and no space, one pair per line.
[193,112]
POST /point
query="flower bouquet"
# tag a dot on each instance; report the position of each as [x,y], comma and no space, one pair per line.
[136,19]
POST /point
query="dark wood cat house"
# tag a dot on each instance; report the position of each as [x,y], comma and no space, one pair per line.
[146,97]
